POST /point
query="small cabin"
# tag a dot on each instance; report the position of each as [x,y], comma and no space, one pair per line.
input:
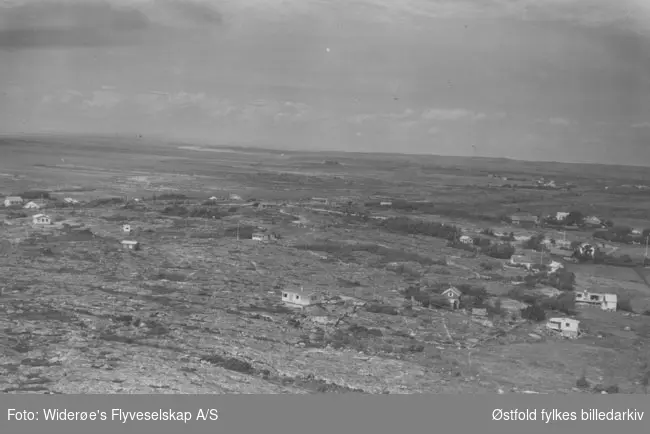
[126,228]
[567,327]
[260,236]
[33,205]
[452,294]
[607,302]
[131,245]
[13,200]
[300,298]
[41,219]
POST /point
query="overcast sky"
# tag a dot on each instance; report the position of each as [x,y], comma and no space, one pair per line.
[565,80]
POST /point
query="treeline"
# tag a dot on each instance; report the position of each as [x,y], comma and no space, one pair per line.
[431,209]
[195,212]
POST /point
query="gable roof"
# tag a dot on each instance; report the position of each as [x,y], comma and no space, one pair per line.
[457,292]
[524,217]
[38,216]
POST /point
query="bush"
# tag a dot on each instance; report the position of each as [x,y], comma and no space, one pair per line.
[379,308]
[563,280]
[564,303]
[534,313]
[582,383]
[499,251]
[624,305]
[35,194]
[417,227]
[535,243]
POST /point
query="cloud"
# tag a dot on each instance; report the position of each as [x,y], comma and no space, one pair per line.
[452,115]
[66,24]
[562,122]
[193,12]
[163,105]
[96,23]
[103,99]
[641,125]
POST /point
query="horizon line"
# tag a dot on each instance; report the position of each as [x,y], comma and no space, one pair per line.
[203,142]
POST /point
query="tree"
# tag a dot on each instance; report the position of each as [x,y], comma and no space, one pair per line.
[534,313]
[575,218]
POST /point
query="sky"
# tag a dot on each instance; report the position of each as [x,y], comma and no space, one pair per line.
[553,80]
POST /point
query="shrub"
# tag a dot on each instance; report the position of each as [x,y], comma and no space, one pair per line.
[499,251]
[562,279]
[379,308]
[35,194]
[418,227]
[625,305]
[534,313]
[582,383]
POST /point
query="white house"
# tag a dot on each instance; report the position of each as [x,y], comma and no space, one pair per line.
[126,228]
[452,294]
[13,200]
[70,200]
[637,231]
[567,327]
[131,245]
[593,221]
[32,205]
[300,298]
[259,236]
[41,219]
[466,239]
[385,203]
[213,198]
[561,215]
[235,197]
[607,302]
[321,200]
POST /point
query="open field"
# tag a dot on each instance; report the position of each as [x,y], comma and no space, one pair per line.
[197,310]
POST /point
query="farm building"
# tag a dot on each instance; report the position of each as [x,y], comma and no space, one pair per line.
[452,294]
[131,245]
[320,200]
[266,205]
[13,200]
[524,220]
[33,205]
[593,221]
[606,302]
[259,236]
[126,228]
[531,259]
[567,327]
[41,219]
[561,215]
[300,298]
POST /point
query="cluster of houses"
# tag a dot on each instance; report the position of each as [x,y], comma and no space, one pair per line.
[12,201]
[529,220]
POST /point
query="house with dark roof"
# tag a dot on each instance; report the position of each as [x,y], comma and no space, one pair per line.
[524,219]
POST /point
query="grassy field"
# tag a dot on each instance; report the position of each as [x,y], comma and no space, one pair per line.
[80,314]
